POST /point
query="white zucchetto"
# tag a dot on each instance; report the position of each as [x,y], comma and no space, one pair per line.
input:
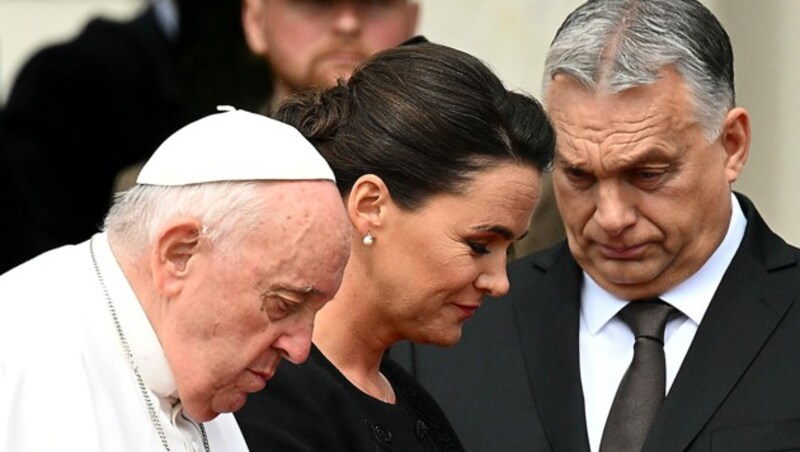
[234,145]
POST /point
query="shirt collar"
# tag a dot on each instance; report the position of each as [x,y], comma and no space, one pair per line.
[692,296]
[144,344]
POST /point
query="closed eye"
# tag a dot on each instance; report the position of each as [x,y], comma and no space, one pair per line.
[478,248]
[277,307]
[578,177]
[649,178]
[648,175]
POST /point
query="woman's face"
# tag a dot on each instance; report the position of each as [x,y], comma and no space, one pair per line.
[432,267]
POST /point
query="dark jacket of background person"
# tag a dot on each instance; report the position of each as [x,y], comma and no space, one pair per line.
[82,111]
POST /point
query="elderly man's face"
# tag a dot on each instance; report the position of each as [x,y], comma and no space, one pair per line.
[644,196]
[226,330]
[313,42]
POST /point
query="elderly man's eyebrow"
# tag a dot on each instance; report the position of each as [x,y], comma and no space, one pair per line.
[277,288]
[306,289]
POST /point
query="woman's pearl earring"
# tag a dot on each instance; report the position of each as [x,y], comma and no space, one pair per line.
[368,239]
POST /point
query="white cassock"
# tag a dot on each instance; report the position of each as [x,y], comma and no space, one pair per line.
[65,382]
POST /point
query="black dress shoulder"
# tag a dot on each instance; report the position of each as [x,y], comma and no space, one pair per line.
[313,407]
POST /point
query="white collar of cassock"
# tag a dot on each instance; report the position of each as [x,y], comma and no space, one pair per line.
[145,346]
[692,297]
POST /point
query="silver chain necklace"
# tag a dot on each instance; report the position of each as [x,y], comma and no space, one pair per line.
[149,403]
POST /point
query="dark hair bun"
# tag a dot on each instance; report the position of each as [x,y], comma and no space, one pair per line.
[317,114]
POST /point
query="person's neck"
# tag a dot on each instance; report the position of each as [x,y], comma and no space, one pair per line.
[347,336]
[280,92]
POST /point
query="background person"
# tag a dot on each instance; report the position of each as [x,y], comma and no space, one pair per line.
[313,43]
[439,167]
[650,140]
[209,271]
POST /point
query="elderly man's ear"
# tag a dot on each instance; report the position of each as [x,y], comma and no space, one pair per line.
[176,247]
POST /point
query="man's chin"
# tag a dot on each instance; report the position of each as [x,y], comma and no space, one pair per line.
[227,403]
[231,404]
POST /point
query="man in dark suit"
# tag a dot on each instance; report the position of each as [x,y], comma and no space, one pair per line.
[649,142]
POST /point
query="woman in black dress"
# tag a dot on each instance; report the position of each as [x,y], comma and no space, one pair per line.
[439,167]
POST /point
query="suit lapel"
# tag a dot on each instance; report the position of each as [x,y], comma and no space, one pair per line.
[548,323]
[745,310]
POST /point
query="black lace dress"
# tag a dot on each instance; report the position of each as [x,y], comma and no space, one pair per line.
[313,407]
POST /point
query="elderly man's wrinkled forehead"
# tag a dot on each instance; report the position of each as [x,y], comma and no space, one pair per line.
[310,217]
[298,204]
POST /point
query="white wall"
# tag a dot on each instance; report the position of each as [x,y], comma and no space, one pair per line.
[766,43]
[512,37]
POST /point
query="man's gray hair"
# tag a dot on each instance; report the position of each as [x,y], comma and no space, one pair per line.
[614,45]
[226,210]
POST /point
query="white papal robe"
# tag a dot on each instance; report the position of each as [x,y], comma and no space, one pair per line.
[65,382]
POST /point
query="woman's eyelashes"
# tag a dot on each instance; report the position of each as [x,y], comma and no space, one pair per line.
[477,247]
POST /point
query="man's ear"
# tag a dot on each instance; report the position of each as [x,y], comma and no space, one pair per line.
[735,139]
[175,247]
[367,203]
[253,22]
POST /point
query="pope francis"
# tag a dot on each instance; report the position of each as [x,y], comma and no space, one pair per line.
[206,273]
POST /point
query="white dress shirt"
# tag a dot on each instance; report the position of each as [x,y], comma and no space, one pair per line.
[606,343]
[65,382]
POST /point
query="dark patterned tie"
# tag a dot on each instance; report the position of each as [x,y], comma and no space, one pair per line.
[641,391]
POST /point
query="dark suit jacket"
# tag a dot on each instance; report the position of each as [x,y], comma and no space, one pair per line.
[513,382]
